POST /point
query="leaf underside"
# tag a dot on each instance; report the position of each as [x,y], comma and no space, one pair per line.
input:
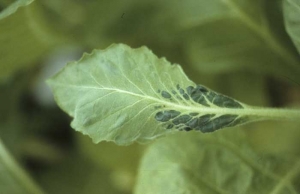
[124,95]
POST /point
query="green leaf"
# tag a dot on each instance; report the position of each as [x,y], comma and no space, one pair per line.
[13,7]
[13,180]
[292,20]
[124,95]
[24,37]
[237,35]
[218,163]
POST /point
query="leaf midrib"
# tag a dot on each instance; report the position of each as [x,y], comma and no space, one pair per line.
[246,111]
[250,111]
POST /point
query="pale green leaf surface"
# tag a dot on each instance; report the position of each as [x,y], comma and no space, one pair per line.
[125,95]
[292,20]
[122,94]
[217,163]
[237,35]
[13,180]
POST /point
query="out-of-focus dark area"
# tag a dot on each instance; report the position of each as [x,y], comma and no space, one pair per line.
[237,47]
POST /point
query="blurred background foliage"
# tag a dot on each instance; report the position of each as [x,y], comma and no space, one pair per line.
[236,47]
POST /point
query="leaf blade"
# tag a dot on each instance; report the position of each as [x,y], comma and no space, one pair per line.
[133,100]
[124,95]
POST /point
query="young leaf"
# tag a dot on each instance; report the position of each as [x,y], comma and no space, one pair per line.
[292,20]
[218,163]
[124,95]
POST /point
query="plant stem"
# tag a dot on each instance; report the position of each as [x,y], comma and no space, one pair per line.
[275,113]
[20,176]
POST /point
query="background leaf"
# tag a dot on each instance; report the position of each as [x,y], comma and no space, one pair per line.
[239,35]
[25,36]
[109,155]
[220,162]
[79,176]
[292,20]
[13,180]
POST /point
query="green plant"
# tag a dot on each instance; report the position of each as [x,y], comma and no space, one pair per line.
[146,114]
[125,95]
